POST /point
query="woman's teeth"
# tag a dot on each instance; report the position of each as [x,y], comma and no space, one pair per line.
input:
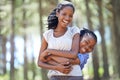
[65,21]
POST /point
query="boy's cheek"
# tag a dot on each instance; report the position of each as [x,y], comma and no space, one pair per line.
[82,50]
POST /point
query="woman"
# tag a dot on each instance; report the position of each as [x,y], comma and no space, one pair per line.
[64,39]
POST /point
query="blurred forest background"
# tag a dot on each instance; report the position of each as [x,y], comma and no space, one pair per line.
[22,23]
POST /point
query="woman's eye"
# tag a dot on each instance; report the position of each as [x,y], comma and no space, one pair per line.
[64,14]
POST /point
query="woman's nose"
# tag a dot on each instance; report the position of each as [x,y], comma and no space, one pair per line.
[67,18]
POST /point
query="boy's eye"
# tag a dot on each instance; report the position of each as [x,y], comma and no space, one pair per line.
[83,44]
[90,47]
[70,16]
[63,14]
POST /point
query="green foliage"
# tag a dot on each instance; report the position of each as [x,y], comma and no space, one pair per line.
[4,77]
[101,71]
[5,30]
[18,3]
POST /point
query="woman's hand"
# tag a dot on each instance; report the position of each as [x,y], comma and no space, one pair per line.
[74,61]
[44,55]
[64,67]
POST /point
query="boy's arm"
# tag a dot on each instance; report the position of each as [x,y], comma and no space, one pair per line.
[83,59]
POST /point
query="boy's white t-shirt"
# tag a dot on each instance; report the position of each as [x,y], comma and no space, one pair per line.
[63,42]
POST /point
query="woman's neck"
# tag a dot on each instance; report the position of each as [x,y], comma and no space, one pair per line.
[60,29]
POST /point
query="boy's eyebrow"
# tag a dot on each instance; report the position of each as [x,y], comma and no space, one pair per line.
[87,41]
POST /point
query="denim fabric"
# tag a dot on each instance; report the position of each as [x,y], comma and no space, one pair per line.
[66,78]
[83,59]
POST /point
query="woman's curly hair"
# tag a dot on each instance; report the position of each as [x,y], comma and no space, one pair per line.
[53,19]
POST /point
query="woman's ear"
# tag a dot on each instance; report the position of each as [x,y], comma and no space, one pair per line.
[57,13]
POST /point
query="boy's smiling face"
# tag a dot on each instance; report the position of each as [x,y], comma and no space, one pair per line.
[87,44]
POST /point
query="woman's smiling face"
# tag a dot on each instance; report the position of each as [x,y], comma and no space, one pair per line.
[87,44]
[65,16]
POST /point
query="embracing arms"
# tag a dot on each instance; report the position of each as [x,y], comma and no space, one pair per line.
[72,54]
[59,67]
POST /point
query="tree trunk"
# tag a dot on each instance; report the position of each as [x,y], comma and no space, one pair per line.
[4,40]
[25,39]
[43,71]
[116,33]
[68,0]
[25,60]
[105,56]
[1,67]
[33,59]
[95,54]
[33,67]
[88,13]
[0,24]
[12,41]
[96,64]
[40,15]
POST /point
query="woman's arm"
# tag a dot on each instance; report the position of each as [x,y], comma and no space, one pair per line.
[72,54]
[59,60]
[81,60]
[43,47]
[42,63]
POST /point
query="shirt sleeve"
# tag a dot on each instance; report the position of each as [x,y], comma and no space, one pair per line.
[83,59]
[75,30]
[47,34]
